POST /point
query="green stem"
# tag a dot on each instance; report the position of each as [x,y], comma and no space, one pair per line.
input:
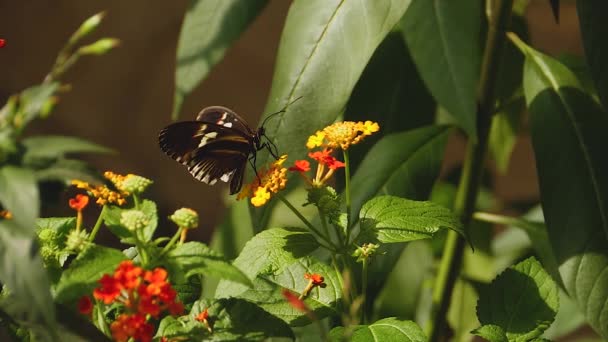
[97,224]
[324,224]
[172,241]
[136,201]
[468,188]
[308,224]
[347,194]
[364,290]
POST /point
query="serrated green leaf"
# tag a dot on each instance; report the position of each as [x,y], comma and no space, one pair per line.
[323,302]
[395,219]
[391,93]
[523,301]
[61,225]
[197,258]
[385,330]
[83,273]
[269,252]
[568,131]
[22,271]
[233,319]
[443,38]
[209,29]
[403,164]
[55,146]
[593,30]
[324,48]
[492,333]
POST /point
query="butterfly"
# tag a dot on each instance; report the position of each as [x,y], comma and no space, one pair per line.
[216,146]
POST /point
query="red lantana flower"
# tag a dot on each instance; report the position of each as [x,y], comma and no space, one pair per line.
[315,278]
[128,275]
[109,289]
[300,166]
[79,202]
[127,326]
[85,305]
[2,43]
[294,301]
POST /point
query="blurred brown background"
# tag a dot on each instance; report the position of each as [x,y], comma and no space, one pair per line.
[122,99]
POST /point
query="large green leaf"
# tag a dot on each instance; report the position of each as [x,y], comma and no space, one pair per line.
[504,131]
[322,301]
[55,146]
[19,195]
[394,219]
[324,48]
[391,93]
[523,301]
[569,138]
[197,258]
[22,272]
[387,329]
[209,28]
[82,275]
[269,252]
[594,29]
[233,320]
[443,38]
[402,164]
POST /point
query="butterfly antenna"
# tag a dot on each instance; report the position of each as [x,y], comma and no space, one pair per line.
[283,110]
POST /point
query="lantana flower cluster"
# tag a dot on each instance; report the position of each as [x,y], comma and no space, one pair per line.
[267,182]
[143,295]
[342,134]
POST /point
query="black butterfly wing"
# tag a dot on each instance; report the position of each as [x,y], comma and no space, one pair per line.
[223,116]
[211,152]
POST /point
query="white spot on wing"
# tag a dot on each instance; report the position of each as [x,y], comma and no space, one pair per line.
[213,181]
[205,179]
[206,138]
[228,124]
[226,176]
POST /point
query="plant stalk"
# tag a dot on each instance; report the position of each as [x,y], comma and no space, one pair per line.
[468,188]
[347,194]
[97,224]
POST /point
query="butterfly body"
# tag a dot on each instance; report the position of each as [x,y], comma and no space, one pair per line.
[216,146]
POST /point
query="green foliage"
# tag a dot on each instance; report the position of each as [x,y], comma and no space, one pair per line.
[519,304]
[559,107]
[387,329]
[348,263]
[392,219]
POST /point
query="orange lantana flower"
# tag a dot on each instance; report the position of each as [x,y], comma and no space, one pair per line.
[267,182]
[342,134]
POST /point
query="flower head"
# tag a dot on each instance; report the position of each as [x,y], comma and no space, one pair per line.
[2,43]
[326,167]
[300,166]
[102,193]
[342,134]
[314,280]
[135,326]
[185,218]
[79,202]
[77,240]
[268,181]
[134,219]
[129,184]
[365,251]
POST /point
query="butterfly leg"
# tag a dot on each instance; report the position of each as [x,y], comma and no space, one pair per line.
[252,161]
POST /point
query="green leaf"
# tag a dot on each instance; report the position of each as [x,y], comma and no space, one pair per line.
[62,225]
[19,195]
[113,214]
[391,93]
[83,273]
[503,134]
[568,318]
[594,30]
[269,252]
[66,170]
[55,146]
[523,301]
[568,131]
[443,37]
[33,100]
[403,164]
[385,330]
[149,209]
[324,48]
[233,319]
[405,281]
[491,332]
[396,219]
[22,272]
[209,29]
[197,258]
[322,301]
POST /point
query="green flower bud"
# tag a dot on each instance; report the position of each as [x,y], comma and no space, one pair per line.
[99,47]
[133,220]
[365,251]
[327,200]
[49,255]
[47,236]
[77,241]
[135,184]
[185,218]
[87,27]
